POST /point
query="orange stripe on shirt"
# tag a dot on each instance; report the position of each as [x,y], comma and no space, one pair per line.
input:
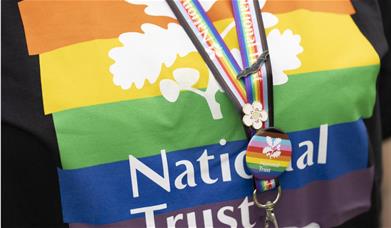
[283,6]
[54,24]
[57,23]
[332,6]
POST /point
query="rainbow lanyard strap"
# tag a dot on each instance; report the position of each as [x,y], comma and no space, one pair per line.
[252,43]
[269,150]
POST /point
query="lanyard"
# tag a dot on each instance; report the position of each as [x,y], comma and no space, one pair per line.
[253,48]
[269,150]
[219,59]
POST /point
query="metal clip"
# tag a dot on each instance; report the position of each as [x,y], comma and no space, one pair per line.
[269,207]
[270,216]
[255,66]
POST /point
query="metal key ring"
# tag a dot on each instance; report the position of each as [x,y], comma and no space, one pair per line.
[268,203]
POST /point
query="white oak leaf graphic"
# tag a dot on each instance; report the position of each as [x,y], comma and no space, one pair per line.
[269,20]
[169,89]
[283,49]
[184,80]
[186,77]
[273,150]
[161,8]
[142,54]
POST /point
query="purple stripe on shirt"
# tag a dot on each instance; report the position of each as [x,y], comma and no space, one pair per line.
[327,203]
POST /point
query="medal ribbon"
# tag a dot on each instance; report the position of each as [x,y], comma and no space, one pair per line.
[253,86]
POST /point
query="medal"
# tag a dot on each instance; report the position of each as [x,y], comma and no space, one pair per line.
[269,150]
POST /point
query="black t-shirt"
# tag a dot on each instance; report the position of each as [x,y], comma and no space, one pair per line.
[384,79]
[31,140]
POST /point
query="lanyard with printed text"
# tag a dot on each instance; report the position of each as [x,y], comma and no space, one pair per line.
[250,89]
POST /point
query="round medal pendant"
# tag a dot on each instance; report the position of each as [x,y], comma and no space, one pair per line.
[268,153]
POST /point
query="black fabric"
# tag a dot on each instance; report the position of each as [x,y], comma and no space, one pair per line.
[368,13]
[369,21]
[21,85]
[385,73]
[30,193]
[371,218]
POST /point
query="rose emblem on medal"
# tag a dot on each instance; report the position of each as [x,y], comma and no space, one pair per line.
[268,153]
